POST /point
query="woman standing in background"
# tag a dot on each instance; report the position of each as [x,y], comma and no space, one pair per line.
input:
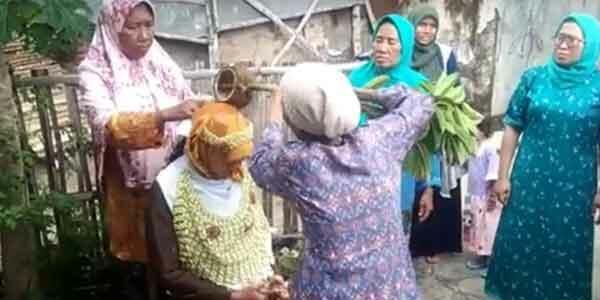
[442,232]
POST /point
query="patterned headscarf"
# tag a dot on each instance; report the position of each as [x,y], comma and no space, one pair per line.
[220,137]
[148,84]
[106,58]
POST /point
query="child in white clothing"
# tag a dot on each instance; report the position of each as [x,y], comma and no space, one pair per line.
[486,211]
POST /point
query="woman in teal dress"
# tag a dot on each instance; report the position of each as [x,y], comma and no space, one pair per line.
[544,244]
[393,47]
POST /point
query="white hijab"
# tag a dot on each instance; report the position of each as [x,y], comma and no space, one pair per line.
[219,197]
[319,100]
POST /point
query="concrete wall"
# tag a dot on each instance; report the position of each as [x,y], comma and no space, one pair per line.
[189,56]
[471,28]
[525,39]
[330,33]
[497,40]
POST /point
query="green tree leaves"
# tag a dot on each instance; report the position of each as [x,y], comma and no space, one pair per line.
[49,27]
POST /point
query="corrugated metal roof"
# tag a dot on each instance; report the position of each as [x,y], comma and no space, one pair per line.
[233,14]
[188,19]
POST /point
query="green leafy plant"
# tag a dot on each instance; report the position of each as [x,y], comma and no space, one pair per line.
[451,131]
[288,259]
[49,27]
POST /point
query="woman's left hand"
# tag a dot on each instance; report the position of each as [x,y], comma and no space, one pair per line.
[596,208]
[492,203]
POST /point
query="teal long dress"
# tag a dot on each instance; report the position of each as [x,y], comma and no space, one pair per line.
[544,244]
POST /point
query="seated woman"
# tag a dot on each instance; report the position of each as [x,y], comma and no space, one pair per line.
[207,233]
[342,181]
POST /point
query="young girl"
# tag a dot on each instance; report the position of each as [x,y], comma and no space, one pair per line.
[483,172]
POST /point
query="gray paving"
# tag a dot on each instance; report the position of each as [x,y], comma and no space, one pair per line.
[451,280]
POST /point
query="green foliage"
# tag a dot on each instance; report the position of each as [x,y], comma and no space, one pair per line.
[452,130]
[288,260]
[34,211]
[11,181]
[49,27]
[68,267]
[52,28]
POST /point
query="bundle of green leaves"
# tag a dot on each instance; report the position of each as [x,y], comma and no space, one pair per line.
[452,131]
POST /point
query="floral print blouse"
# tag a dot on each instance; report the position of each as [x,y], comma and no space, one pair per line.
[345,194]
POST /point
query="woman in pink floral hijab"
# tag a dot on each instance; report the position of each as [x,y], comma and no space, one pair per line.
[134,96]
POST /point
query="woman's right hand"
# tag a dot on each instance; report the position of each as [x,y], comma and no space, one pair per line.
[181,111]
[502,190]
[248,294]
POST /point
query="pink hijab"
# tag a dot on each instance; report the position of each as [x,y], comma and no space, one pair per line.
[112,83]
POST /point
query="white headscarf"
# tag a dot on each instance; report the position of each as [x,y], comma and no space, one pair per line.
[319,100]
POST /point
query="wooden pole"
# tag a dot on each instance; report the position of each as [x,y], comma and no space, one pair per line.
[213,45]
[84,182]
[298,31]
[48,80]
[370,14]
[302,42]
[43,96]
[73,80]
[263,71]
[356,31]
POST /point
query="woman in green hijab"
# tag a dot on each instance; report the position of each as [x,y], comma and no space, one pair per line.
[442,233]
[430,57]
[544,244]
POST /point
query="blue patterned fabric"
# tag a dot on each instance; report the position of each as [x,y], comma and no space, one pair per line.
[354,243]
